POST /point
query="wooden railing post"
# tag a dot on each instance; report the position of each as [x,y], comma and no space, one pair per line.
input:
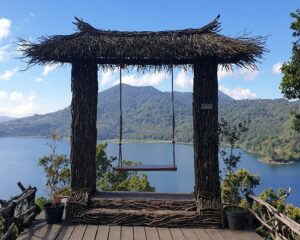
[15,218]
[278,225]
[250,206]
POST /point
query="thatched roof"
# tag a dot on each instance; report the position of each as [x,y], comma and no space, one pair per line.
[158,49]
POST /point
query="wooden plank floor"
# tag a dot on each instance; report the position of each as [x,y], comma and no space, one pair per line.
[43,231]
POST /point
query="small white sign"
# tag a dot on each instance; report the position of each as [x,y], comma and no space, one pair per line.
[206,106]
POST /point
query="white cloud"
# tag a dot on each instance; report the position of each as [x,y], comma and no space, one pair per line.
[183,80]
[3,95]
[276,69]
[31,14]
[32,97]
[18,104]
[39,79]
[49,68]
[108,77]
[23,109]
[238,93]
[4,53]
[222,73]
[8,74]
[248,75]
[148,79]
[4,27]
[16,96]
[245,74]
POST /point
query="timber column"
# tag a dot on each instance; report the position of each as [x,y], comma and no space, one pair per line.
[205,125]
[84,131]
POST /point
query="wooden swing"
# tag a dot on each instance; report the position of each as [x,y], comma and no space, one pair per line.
[125,168]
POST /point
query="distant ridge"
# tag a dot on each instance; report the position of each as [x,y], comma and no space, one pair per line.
[5,118]
[145,108]
[147,116]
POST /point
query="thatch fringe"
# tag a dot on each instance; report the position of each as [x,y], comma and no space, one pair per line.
[145,49]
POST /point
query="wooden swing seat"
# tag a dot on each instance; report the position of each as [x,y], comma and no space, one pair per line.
[127,168]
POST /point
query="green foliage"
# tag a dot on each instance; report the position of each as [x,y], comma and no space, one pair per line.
[296,122]
[110,180]
[130,181]
[41,201]
[231,134]
[278,200]
[15,231]
[103,163]
[235,182]
[269,131]
[290,84]
[56,168]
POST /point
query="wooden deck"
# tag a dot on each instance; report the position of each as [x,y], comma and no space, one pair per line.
[42,231]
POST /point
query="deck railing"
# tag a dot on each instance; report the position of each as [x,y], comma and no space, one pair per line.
[278,225]
[18,212]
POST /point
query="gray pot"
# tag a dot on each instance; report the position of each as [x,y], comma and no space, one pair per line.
[236,217]
[53,214]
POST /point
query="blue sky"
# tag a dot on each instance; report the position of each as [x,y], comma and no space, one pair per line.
[43,89]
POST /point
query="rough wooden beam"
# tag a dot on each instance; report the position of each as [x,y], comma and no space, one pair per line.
[205,122]
[84,131]
[137,204]
[154,218]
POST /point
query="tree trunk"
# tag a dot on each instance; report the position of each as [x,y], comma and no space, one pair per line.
[84,131]
[205,120]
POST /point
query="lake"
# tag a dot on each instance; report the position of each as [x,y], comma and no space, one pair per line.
[19,157]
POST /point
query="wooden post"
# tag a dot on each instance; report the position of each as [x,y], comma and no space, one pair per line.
[205,120]
[84,131]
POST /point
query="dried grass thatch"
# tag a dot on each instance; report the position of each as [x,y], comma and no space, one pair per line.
[144,49]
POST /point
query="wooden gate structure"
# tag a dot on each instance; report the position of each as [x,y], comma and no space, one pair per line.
[204,50]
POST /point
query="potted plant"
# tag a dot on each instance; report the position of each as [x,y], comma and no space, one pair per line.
[56,168]
[235,182]
[234,186]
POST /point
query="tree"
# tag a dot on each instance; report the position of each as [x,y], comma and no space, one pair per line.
[290,84]
[235,182]
[110,180]
[57,169]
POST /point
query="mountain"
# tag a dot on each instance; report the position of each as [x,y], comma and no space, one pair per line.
[146,111]
[5,118]
[270,131]
[147,114]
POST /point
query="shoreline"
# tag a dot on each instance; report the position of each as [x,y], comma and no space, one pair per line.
[268,160]
[261,157]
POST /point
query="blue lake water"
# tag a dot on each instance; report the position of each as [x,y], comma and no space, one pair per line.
[19,157]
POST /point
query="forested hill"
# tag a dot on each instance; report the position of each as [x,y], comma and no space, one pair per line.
[147,116]
[5,118]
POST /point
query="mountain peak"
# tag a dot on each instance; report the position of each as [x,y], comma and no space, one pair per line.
[132,89]
[128,86]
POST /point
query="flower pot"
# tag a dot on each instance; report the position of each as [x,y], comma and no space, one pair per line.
[236,217]
[53,214]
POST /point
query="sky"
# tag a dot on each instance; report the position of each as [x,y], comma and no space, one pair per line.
[43,89]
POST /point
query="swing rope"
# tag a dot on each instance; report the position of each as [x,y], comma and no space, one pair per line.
[120,162]
[173,120]
[146,168]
